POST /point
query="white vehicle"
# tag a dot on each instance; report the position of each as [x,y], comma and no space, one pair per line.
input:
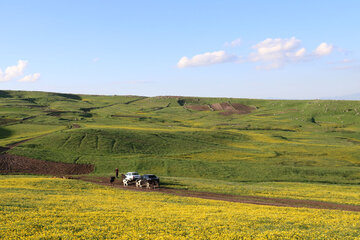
[132,176]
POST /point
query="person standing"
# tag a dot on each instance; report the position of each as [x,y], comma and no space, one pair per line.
[117,173]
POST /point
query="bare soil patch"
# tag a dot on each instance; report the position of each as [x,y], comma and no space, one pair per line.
[216,107]
[278,202]
[232,108]
[10,164]
[198,107]
[243,108]
[226,106]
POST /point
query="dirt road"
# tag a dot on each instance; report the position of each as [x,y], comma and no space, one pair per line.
[279,202]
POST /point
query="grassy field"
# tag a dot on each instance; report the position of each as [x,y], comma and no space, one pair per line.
[49,208]
[312,141]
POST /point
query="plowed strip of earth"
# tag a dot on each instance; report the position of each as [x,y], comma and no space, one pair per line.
[10,164]
[279,202]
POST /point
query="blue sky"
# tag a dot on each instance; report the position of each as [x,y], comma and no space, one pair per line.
[246,49]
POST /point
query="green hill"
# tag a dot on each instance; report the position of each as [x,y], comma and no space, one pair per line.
[237,140]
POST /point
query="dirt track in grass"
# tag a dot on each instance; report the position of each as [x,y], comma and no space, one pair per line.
[279,202]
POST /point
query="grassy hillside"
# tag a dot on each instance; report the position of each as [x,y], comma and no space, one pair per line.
[278,140]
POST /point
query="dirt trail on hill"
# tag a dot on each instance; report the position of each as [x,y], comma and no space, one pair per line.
[279,202]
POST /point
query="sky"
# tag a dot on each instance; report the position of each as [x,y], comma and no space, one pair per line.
[241,49]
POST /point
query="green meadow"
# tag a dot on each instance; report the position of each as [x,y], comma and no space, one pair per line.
[280,141]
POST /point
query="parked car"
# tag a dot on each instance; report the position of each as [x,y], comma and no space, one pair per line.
[150,177]
[132,176]
[148,180]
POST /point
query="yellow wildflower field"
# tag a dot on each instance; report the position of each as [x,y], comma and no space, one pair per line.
[335,193]
[50,208]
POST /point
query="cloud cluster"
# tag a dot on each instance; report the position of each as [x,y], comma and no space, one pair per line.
[276,52]
[16,71]
[323,49]
[207,58]
[30,78]
[270,54]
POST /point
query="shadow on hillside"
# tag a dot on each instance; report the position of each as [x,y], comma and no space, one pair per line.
[5,133]
[4,94]
[172,184]
[69,96]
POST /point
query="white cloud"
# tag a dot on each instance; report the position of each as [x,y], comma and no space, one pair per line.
[323,49]
[300,53]
[207,58]
[16,71]
[12,72]
[276,52]
[271,53]
[30,78]
[233,43]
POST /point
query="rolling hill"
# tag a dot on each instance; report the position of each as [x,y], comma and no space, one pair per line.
[235,140]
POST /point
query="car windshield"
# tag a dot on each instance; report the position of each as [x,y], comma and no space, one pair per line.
[135,173]
[151,176]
